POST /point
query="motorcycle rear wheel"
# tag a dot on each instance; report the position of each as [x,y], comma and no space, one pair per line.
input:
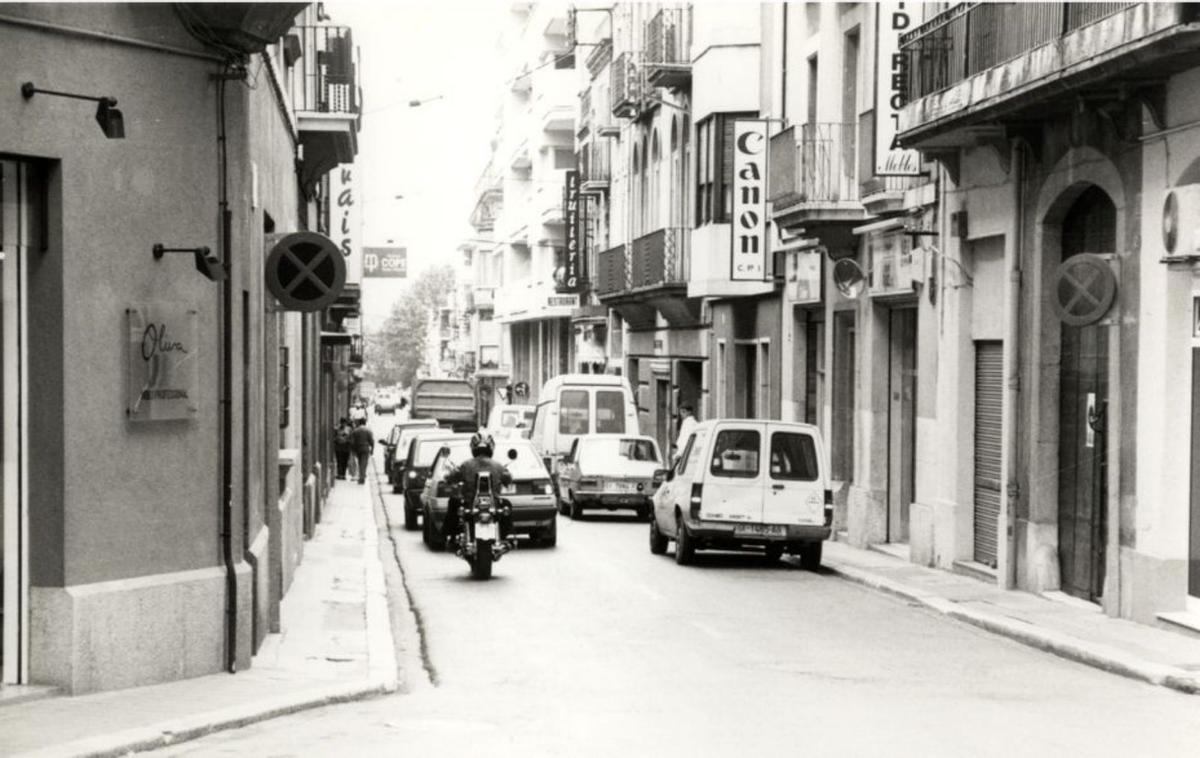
[481,564]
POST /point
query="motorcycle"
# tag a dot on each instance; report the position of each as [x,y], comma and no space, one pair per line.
[478,541]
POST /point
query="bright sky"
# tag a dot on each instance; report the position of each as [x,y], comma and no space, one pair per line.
[432,154]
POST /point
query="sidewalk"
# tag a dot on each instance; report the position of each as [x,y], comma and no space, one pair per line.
[335,646]
[1069,629]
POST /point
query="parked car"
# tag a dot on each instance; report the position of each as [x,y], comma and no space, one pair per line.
[386,401]
[435,494]
[573,405]
[393,439]
[534,505]
[534,512]
[510,420]
[400,455]
[610,471]
[721,496]
[421,453]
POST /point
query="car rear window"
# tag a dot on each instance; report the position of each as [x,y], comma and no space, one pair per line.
[610,412]
[618,451]
[427,450]
[460,453]
[527,465]
[735,453]
[793,457]
[573,412]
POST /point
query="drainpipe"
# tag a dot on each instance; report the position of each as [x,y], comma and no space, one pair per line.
[1012,369]
[783,69]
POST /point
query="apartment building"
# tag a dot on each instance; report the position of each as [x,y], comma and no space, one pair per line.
[532,152]
[194,500]
[1065,137]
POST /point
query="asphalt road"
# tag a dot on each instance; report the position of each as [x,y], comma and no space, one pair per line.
[597,647]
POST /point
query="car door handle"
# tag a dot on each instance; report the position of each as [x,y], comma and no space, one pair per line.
[776,486]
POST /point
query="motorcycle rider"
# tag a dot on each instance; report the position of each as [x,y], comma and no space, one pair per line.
[467,477]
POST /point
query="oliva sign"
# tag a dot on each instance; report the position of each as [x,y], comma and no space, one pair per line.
[749,209]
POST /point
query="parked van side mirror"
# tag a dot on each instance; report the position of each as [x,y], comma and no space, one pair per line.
[664,474]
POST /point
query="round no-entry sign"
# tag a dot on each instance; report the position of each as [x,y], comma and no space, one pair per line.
[1084,289]
[305,271]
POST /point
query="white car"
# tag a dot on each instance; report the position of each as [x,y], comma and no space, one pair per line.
[510,420]
[610,471]
[746,485]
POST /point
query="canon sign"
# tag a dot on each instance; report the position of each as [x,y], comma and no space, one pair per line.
[749,211]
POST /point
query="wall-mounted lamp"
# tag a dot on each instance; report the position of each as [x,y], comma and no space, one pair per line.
[111,121]
[206,263]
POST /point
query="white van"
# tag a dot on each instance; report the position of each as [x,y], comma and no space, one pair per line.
[746,485]
[571,405]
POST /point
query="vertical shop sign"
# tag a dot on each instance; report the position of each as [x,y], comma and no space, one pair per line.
[161,358]
[573,214]
[749,211]
[892,21]
[345,227]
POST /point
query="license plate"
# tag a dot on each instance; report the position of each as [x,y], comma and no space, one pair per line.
[486,531]
[760,530]
[619,487]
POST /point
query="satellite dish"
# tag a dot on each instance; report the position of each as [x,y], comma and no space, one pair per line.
[848,277]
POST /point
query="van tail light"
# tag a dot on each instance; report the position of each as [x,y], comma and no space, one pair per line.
[828,507]
[697,493]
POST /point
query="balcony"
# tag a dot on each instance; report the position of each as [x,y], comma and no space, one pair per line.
[625,87]
[585,112]
[813,175]
[595,166]
[326,98]
[667,52]
[548,198]
[554,99]
[977,65]
[649,276]
[484,298]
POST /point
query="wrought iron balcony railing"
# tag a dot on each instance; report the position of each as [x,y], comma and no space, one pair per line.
[666,54]
[813,163]
[595,166]
[624,86]
[660,257]
[329,68]
[969,38]
[612,274]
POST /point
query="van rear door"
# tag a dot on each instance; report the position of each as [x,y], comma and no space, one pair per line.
[733,480]
[795,491]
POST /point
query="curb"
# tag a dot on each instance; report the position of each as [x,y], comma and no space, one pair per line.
[168,733]
[1103,657]
[382,679]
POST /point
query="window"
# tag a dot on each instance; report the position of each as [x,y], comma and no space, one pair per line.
[714,167]
[563,158]
[696,449]
[610,412]
[686,452]
[735,453]
[539,422]
[793,457]
[573,412]
[613,453]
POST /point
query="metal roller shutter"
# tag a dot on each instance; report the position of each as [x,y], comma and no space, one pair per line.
[989,403]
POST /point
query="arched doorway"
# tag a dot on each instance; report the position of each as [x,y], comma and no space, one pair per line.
[1089,226]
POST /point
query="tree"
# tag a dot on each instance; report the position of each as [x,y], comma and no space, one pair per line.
[395,353]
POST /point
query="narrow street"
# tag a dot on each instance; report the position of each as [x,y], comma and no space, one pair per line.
[597,647]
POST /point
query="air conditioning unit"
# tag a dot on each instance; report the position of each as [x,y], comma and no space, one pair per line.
[1181,222]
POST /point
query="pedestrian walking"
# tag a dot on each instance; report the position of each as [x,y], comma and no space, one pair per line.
[362,441]
[341,446]
[358,412]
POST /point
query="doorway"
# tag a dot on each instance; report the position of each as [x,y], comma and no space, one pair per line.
[1090,225]
[989,406]
[746,380]
[902,419]
[22,228]
[662,416]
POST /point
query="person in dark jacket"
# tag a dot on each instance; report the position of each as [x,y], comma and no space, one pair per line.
[341,446]
[466,477]
[362,441]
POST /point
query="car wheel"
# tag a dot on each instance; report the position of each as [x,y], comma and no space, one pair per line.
[575,511]
[685,547]
[410,520]
[810,557]
[773,552]
[550,536]
[643,513]
[426,536]
[658,540]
